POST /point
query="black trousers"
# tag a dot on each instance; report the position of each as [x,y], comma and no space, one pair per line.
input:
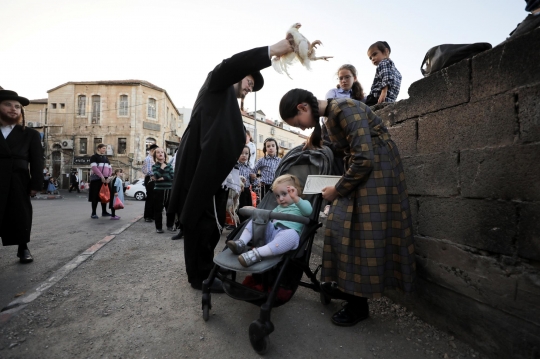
[161,199]
[201,237]
[74,185]
[149,204]
[264,189]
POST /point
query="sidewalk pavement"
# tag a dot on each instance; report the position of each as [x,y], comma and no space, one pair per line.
[128,297]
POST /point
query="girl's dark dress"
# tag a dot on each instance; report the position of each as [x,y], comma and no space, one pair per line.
[368,244]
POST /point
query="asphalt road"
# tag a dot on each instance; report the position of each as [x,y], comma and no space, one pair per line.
[61,230]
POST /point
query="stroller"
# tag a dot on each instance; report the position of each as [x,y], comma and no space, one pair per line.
[274,280]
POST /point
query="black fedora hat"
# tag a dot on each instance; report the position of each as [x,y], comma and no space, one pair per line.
[12,95]
[259,81]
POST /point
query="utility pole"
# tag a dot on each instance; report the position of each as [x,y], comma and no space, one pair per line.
[255,126]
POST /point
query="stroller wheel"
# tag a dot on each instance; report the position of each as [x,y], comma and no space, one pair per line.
[259,341]
[205,312]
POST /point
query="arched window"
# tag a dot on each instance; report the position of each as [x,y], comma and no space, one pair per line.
[81,105]
[152,108]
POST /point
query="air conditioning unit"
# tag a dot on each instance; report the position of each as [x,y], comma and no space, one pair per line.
[30,124]
[110,150]
[37,124]
[67,144]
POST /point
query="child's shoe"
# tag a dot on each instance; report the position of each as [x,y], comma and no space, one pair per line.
[114,218]
[237,247]
[249,258]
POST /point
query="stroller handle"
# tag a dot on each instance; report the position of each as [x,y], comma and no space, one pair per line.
[247,212]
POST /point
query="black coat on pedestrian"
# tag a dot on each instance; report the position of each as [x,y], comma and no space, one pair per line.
[21,163]
[214,138]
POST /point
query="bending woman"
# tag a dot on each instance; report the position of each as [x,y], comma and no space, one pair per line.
[368,243]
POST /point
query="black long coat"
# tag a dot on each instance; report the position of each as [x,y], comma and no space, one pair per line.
[214,138]
[21,164]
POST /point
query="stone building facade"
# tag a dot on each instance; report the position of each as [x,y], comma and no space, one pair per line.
[126,115]
[284,135]
[469,136]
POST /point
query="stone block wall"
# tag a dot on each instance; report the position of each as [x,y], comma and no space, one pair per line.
[469,136]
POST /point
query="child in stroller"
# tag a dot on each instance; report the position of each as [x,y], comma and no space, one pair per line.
[281,236]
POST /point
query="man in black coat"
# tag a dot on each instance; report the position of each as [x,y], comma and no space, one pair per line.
[209,150]
[21,162]
[74,182]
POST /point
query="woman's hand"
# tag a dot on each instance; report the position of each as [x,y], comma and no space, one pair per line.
[104,180]
[281,48]
[116,194]
[330,193]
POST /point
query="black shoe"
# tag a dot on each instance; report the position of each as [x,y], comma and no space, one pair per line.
[170,229]
[25,256]
[178,236]
[159,230]
[106,214]
[216,287]
[347,317]
[148,219]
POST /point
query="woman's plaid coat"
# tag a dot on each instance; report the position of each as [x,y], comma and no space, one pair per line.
[368,244]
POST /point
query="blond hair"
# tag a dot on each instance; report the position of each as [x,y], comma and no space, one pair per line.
[164,152]
[293,180]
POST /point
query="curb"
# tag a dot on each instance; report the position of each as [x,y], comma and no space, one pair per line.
[20,303]
[56,196]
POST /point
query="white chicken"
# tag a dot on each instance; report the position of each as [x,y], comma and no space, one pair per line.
[304,51]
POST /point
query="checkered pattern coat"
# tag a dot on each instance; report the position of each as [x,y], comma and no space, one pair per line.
[368,244]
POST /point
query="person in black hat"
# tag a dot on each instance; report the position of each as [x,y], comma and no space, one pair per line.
[149,183]
[21,163]
[209,150]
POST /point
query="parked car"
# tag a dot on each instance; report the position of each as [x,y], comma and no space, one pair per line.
[136,190]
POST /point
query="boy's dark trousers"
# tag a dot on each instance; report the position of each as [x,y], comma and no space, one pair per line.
[159,202]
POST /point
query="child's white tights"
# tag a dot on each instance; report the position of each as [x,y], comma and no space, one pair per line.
[278,240]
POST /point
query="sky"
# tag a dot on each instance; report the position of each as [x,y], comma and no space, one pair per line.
[174,44]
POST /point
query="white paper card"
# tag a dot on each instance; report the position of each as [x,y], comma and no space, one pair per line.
[315,183]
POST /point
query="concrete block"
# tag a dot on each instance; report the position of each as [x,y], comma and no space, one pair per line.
[482,224]
[528,241]
[490,330]
[507,66]
[433,174]
[394,113]
[509,173]
[529,114]
[492,122]
[482,278]
[404,135]
[446,88]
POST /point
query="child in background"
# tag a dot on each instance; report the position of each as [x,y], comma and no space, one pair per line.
[51,186]
[245,171]
[267,165]
[387,80]
[348,85]
[163,177]
[117,190]
[281,236]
